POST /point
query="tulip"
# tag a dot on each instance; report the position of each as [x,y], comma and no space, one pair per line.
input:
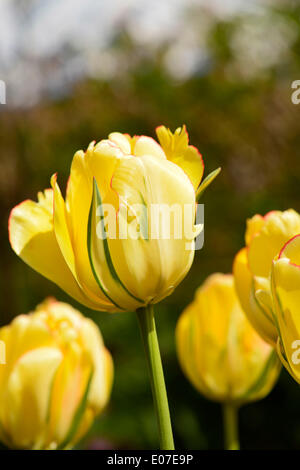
[102,244]
[221,353]
[252,266]
[56,379]
[285,287]
[60,238]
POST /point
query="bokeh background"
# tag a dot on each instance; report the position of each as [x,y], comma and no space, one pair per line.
[77,70]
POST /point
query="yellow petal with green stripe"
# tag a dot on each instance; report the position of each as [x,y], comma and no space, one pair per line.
[101,260]
[245,287]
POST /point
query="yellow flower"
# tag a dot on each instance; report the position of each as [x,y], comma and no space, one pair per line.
[264,238]
[69,241]
[56,379]
[219,351]
[285,284]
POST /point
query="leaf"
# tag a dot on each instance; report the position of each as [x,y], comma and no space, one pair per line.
[206,182]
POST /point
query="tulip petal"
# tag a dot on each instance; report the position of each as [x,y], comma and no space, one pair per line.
[186,342]
[63,237]
[177,149]
[282,356]
[61,227]
[286,298]
[26,407]
[69,393]
[291,250]
[103,365]
[23,334]
[32,238]
[278,228]
[101,261]
[147,146]
[253,226]
[213,336]
[165,187]
[78,201]
[261,387]
[245,289]
[73,435]
[121,141]
[92,401]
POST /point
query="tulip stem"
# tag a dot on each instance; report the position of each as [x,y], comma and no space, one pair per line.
[230,416]
[160,399]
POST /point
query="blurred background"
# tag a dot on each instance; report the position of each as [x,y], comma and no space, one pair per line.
[77,70]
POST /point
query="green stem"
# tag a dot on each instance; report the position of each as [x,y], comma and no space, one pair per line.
[160,399]
[230,416]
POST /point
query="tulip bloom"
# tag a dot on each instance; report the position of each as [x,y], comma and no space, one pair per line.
[219,350]
[221,353]
[285,285]
[69,242]
[265,237]
[56,379]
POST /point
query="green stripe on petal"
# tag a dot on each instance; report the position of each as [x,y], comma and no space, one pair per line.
[78,415]
[265,380]
[263,308]
[101,260]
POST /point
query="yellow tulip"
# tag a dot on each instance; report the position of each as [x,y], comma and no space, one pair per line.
[286,301]
[68,241]
[264,238]
[218,349]
[56,379]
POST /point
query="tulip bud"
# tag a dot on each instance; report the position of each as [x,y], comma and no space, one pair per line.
[56,379]
[219,351]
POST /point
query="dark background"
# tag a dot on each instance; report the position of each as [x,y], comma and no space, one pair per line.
[236,103]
